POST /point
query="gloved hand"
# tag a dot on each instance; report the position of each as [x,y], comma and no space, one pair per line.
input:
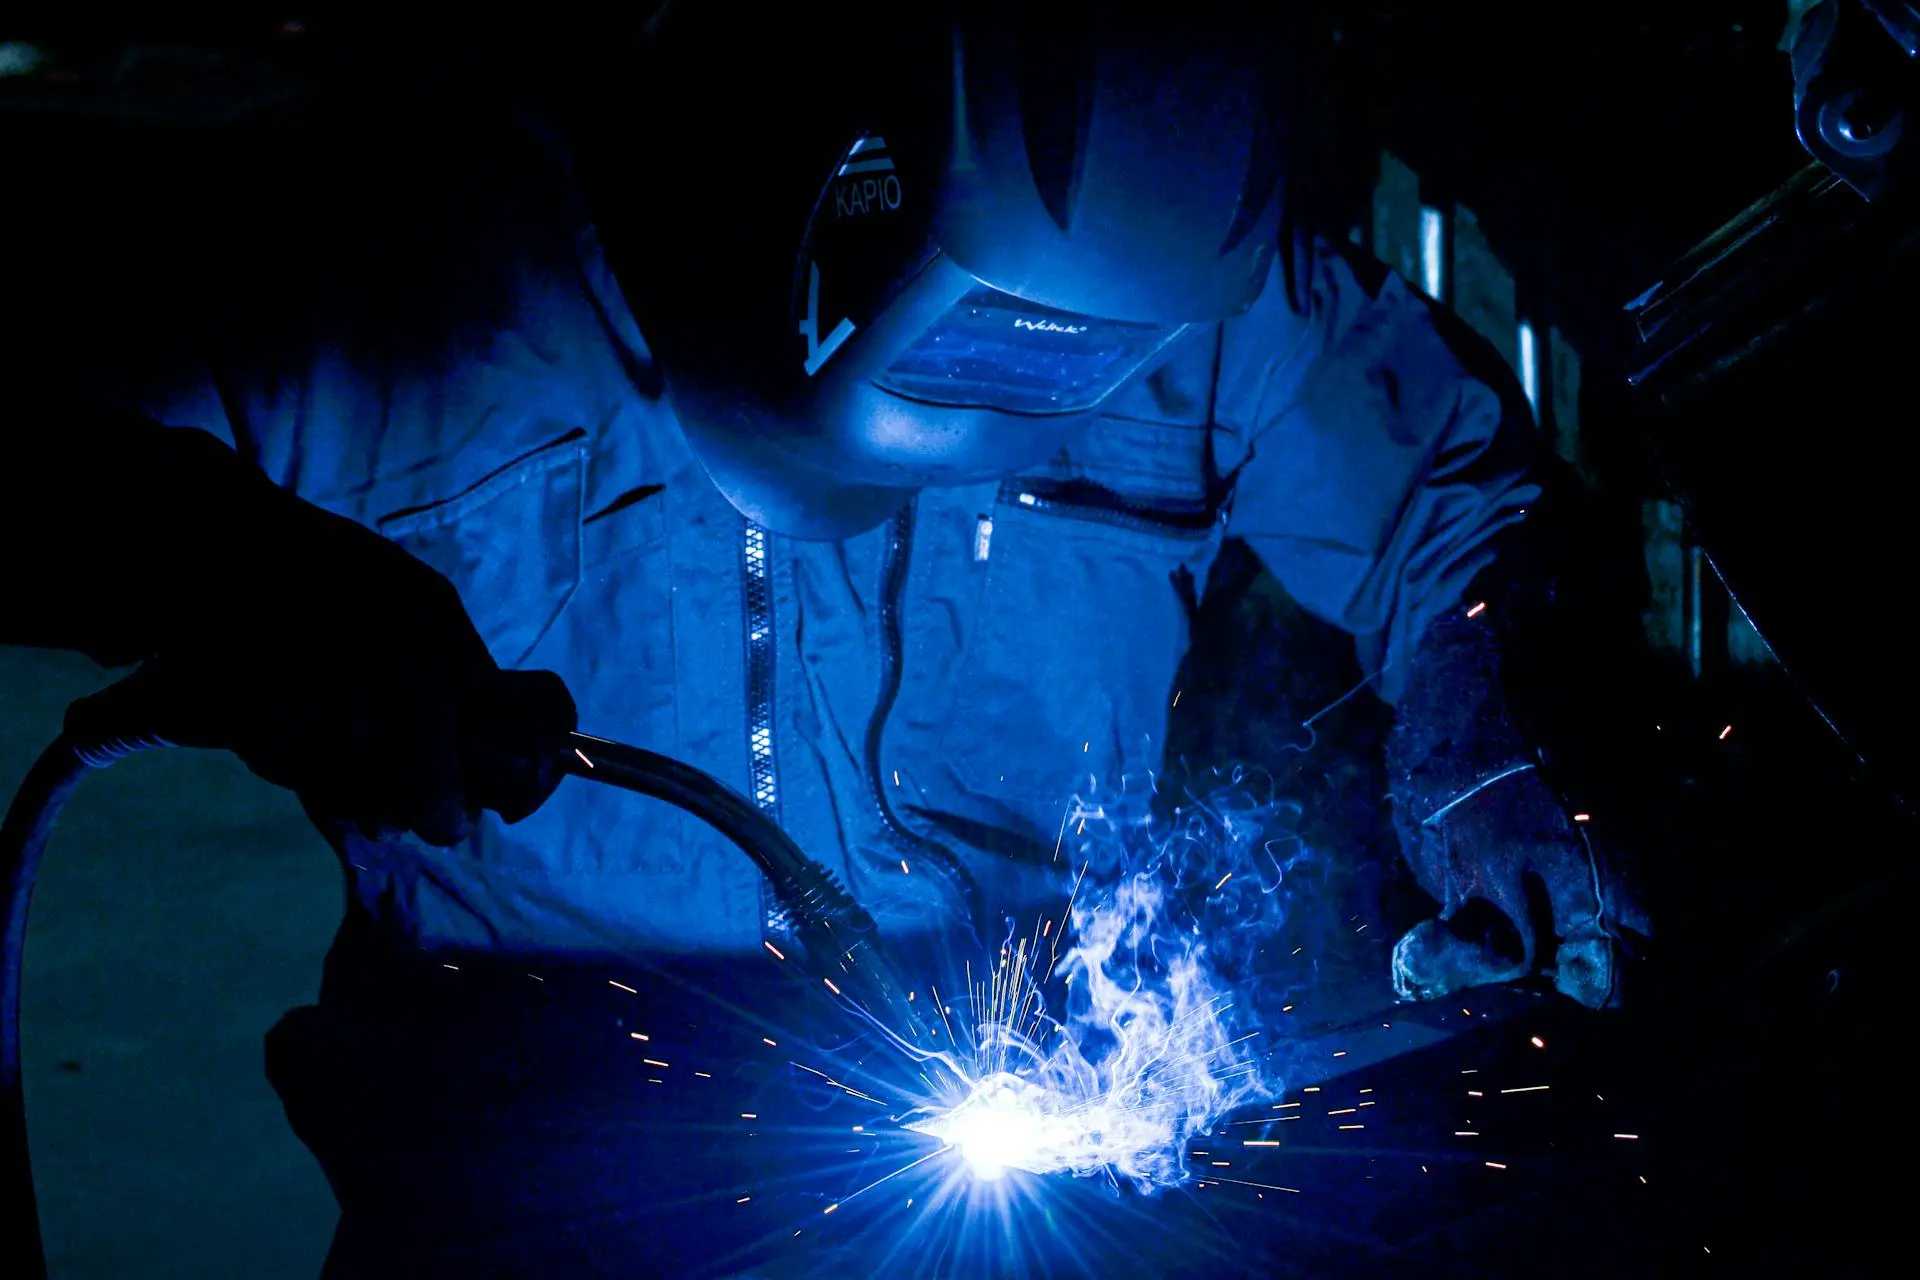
[1522,886]
[330,660]
[1521,890]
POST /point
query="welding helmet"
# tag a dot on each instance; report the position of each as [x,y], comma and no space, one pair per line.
[958,235]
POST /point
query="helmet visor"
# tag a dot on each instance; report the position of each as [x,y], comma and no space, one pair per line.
[991,350]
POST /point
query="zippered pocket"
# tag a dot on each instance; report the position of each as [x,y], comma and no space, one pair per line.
[1193,519]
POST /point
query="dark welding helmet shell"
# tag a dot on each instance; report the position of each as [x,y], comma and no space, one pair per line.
[995,238]
[1118,161]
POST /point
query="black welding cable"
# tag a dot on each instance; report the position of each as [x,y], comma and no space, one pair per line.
[23,838]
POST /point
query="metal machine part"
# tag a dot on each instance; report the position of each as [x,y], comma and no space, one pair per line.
[1773,353]
[1855,87]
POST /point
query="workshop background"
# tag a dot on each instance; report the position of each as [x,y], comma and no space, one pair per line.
[1533,166]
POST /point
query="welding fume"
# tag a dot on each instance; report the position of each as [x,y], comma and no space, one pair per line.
[846,418]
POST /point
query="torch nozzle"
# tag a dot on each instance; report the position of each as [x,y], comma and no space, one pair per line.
[841,940]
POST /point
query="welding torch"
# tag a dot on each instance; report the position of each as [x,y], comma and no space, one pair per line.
[841,940]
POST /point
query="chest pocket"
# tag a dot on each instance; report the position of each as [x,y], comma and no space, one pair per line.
[510,545]
[1083,620]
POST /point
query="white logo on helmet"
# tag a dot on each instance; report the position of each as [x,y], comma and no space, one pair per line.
[855,196]
[1049,326]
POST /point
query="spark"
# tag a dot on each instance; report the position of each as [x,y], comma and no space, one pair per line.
[1495,1164]
[769,1043]
[1477,609]
[1583,817]
[1260,1142]
[1367,1104]
[1312,1088]
[1176,696]
[1529,1088]
[845,1088]
[778,954]
[1466,1133]
[1537,1042]
[1369,1088]
[749,1115]
[642,1037]
[1630,1137]
[1222,881]
[1340,1053]
[1222,1164]
[1282,1106]
[583,757]
[1724,732]
[454,967]
[743,1199]
[1264,1186]
[830,986]
[655,1062]
[623,986]
[1475,1093]
[905,870]
[1344,1111]
[704,1075]
[829,1209]
[1353,1126]
[536,977]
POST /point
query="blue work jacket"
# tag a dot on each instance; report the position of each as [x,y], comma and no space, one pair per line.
[916,705]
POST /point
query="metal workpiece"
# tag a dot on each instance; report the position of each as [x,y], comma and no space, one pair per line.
[841,940]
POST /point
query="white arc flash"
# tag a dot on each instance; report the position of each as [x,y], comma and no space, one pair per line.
[1152,1044]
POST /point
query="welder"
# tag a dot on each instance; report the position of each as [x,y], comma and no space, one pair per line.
[847,435]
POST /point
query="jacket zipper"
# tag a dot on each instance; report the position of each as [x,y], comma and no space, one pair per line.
[929,854]
[762,767]
[1083,500]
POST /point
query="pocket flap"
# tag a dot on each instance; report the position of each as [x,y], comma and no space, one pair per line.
[510,545]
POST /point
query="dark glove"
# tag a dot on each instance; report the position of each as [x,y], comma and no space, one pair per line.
[1523,887]
[330,660]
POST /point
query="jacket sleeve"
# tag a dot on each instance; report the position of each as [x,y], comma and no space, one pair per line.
[1381,446]
[121,535]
